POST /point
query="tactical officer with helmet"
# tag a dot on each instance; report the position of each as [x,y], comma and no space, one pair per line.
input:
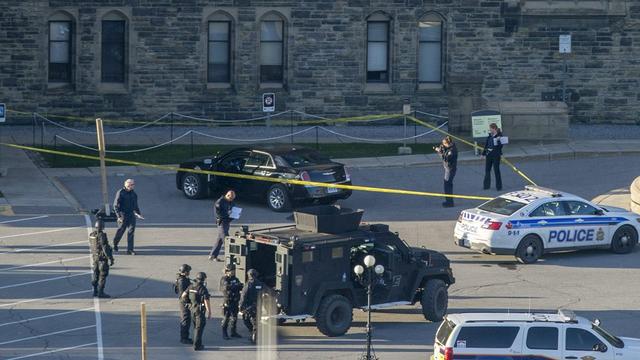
[180,286]
[199,299]
[249,303]
[101,256]
[230,287]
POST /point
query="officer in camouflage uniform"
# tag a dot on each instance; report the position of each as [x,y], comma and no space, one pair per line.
[249,303]
[180,286]
[199,298]
[230,287]
[101,256]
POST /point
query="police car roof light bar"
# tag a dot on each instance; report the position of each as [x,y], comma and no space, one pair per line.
[567,315]
[553,193]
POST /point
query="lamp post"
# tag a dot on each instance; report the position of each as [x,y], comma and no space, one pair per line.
[367,280]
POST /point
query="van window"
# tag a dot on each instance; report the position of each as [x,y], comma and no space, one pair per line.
[581,340]
[542,338]
[502,206]
[487,337]
[444,331]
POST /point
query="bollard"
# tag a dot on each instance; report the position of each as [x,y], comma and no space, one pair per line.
[143,330]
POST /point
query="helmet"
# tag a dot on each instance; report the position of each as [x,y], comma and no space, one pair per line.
[201,276]
[99,225]
[252,273]
[184,268]
[230,267]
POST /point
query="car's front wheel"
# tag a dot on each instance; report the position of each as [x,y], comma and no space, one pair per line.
[192,186]
[434,300]
[624,240]
[529,250]
[278,198]
[334,316]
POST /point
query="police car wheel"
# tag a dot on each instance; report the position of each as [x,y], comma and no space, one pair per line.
[192,186]
[624,240]
[278,198]
[334,316]
[529,250]
[435,300]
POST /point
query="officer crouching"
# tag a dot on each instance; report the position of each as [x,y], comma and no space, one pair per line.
[230,287]
[199,298]
[180,286]
[101,256]
[249,303]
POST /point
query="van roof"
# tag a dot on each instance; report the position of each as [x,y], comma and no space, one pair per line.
[563,316]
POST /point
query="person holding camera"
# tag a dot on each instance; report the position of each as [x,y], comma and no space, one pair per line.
[492,153]
[449,153]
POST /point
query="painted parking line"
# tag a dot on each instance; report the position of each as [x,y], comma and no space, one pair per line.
[47,334]
[40,232]
[24,219]
[52,351]
[46,316]
[96,301]
[46,298]
[44,280]
[59,261]
[40,247]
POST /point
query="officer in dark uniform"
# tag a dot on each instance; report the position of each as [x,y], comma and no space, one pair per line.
[180,286]
[230,287]
[449,154]
[199,298]
[101,256]
[249,302]
[126,206]
[492,151]
[223,208]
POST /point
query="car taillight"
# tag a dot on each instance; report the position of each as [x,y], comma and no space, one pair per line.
[305,176]
[492,225]
[448,353]
[347,176]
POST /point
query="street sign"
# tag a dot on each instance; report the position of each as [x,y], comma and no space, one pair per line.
[3,109]
[565,44]
[268,102]
[480,121]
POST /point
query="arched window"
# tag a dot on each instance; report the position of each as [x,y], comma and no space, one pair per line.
[114,47]
[272,35]
[61,27]
[431,34]
[220,25]
[378,44]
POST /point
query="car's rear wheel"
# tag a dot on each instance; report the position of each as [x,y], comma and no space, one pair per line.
[334,316]
[278,198]
[624,240]
[529,250]
[434,300]
[192,186]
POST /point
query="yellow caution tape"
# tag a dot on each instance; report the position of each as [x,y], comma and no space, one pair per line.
[473,145]
[252,177]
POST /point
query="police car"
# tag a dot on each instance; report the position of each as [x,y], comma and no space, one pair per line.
[538,220]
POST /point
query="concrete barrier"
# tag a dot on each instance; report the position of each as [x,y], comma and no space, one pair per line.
[635,195]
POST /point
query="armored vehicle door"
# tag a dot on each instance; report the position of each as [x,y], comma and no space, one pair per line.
[237,251]
[395,279]
[283,270]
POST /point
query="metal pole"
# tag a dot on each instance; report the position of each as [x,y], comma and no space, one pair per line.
[42,135]
[103,167]
[171,126]
[143,330]
[191,133]
[317,145]
[34,128]
[291,125]
[55,148]
[404,141]
[564,78]
[369,315]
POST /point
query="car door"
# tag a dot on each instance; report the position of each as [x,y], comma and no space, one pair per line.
[549,222]
[582,344]
[542,340]
[233,163]
[592,226]
[259,163]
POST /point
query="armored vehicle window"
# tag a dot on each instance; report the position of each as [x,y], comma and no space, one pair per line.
[307,256]
[502,206]
[337,253]
[581,340]
[487,337]
[542,338]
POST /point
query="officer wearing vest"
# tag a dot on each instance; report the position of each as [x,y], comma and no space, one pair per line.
[492,152]
[249,303]
[101,256]
[180,286]
[449,154]
[199,298]
[230,287]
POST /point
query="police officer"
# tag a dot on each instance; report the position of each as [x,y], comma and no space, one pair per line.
[127,210]
[449,154]
[101,256]
[223,208]
[180,286]
[249,302]
[492,151]
[230,287]
[199,298]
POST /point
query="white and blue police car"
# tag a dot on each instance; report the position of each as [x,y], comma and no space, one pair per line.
[537,220]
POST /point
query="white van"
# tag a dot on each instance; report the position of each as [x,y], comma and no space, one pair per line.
[487,336]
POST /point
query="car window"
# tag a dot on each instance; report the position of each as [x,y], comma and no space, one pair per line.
[487,337]
[502,206]
[259,159]
[581,340]
[444,331]
[301,158]
[552,208]
[235,161]
[580,208]
[542,338]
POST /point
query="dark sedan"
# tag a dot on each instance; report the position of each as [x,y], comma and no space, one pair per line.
[285,162]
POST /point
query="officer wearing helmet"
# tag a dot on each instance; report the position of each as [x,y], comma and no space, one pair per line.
[180,286]
[101,258]
[249,302]
[198,296]
[230,287]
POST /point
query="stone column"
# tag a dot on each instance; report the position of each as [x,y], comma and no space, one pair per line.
[464,93]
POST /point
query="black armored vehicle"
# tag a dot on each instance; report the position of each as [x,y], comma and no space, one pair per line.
[309,267]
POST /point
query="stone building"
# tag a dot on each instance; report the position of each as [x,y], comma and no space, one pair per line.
[134,58]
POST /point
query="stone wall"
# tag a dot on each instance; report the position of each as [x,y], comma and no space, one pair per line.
[511,45]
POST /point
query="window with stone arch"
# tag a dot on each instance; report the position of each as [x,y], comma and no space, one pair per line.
[272,48]
[430,48]
[114,47]
[378,47]
[219,47]
[60,58]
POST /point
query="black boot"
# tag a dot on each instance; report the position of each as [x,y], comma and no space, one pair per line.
[95,291]
[225,335]
[103,295]
[234,334]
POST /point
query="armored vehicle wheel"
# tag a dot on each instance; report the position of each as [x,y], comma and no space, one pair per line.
[192,186]
[435,300]
[624,240]
[529,250]
[334,316]
[278,198]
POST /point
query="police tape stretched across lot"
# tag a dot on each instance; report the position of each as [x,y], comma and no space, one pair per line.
[252,177]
